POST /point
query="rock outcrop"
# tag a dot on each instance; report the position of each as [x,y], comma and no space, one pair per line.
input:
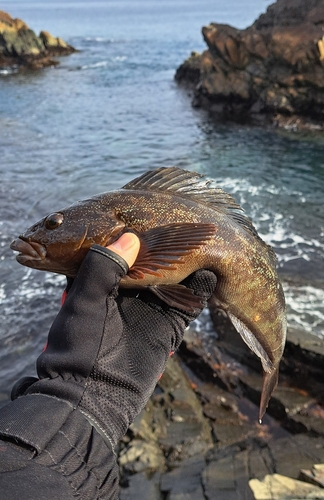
[21,48]
[271,72]
[199,437]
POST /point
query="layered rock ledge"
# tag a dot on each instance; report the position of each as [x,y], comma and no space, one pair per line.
[21,48]
[199,437]
[271,72]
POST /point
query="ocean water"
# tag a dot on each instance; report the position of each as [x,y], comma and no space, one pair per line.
[112,111]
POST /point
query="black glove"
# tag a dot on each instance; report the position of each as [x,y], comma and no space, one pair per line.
[105,353]
[106,350]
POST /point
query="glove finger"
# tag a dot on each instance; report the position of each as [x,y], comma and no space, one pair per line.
[202,282]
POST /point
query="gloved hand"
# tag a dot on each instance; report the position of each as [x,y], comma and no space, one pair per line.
[106,349]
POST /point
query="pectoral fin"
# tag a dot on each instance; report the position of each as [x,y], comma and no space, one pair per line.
[166,247]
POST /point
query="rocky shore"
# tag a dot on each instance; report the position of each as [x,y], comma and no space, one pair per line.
[199,437]
[269,73]
[21,48]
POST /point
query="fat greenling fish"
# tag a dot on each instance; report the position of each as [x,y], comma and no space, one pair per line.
[184,223]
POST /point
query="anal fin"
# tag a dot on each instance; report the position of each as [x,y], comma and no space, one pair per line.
[178,296]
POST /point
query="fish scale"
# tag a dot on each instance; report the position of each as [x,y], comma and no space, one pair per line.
[184,223]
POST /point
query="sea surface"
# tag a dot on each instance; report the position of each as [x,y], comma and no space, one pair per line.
[110,112]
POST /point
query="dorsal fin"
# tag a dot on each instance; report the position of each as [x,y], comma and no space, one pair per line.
[184,183]
[196,187]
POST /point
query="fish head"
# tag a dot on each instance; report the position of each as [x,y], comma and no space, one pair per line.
[59,242]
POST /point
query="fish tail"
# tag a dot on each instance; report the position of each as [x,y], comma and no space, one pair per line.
[270,382]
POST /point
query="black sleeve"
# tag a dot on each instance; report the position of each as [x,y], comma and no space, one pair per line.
[50,451]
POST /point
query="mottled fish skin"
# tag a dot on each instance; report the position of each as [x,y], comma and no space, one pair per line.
[184,225]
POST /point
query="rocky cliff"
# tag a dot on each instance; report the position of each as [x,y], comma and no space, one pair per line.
[271,72]
[21,48]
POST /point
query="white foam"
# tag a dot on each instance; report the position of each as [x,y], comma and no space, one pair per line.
[274,227]
[305,308]
[8,71]
[99,39]
[95,65]
[28,288]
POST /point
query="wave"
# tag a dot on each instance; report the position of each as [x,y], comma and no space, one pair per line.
[305,308]
[100,64]
[103,64]
[276,228]
[9,71]
[99,39]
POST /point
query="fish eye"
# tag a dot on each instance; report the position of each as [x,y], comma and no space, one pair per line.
[53,221]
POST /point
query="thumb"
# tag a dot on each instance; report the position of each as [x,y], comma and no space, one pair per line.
[127,247]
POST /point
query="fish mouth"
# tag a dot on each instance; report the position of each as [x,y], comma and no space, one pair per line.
[29,251]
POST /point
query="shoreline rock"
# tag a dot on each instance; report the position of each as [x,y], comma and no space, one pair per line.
[270,73]
[21,48]
[199,435]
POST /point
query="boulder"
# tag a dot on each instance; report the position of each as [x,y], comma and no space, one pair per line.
[277,487]
[271,72]
[21,48]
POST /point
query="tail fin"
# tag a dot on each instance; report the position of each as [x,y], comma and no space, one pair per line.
[270,382]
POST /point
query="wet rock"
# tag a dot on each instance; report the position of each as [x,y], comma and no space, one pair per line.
[21,48]
[271,72]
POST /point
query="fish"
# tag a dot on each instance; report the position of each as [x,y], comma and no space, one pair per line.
[184,223]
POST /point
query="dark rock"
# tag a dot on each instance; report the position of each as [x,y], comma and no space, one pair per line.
[291,454]
[184,482]
[271,72]
[142,487]
[200,439]
[21,48]
[226,479]
[170,430]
